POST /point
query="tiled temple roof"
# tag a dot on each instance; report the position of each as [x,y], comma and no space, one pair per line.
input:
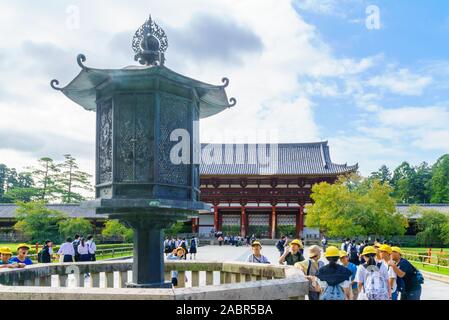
[286,159]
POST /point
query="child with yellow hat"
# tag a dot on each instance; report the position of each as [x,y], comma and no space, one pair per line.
[385,253]
[292,255]
[5,256]
[21,259]
[256,256]
[372,277]
[334,278]
[411,278]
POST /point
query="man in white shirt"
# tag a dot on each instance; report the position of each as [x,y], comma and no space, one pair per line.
[385,253]
[92,247]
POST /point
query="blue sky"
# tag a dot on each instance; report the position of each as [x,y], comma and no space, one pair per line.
[301,71]
[413,36]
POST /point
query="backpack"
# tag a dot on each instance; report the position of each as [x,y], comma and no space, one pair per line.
[333,293]
[375,284]
[353,253]
[44,256]
[345,247]
[280,245]
[39,256]
[75,244]
[309,266]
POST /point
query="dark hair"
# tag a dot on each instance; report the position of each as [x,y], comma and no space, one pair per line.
[371,261]
[283,237]
[89,237]
[68,239]
[332,262]
[77,236]
[82,242]
[47,242]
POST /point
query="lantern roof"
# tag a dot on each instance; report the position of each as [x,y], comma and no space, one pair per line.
[83,88]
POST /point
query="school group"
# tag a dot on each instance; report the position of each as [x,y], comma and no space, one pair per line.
[376,272]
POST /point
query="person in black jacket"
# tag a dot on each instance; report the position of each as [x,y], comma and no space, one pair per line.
[334,279]
[280,245]
[44,255]
[75,244]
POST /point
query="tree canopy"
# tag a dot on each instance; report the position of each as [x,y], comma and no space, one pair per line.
[417,184]
[117,230]
[38,222]
[433,226]
[70,227]
[354,207]
[49,181]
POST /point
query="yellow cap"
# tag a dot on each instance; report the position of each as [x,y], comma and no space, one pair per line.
[368,250]
[5,250]
[181,248]
[296,241]
[376,245]
[256,243]
[396,249]
[332,252]
[386,248]
[23,245]
[343,254]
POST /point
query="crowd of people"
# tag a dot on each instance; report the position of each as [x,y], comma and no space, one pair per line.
[355,271]
[234,240]
[374,272]
[80,249]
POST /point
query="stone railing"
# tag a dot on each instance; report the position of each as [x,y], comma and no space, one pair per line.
[196,280]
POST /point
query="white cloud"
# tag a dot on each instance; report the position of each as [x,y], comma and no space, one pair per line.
[402,82]
[265,84]
[433,140]
[415,117]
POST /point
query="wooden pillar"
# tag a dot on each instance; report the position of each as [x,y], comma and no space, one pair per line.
[195,225]
[300,221]
[273,222]
[243,222]
[216,226]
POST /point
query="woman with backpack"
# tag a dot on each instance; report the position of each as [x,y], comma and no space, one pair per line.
[372,277]
[334,279]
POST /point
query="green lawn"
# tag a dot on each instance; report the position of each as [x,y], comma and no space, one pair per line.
[420,266]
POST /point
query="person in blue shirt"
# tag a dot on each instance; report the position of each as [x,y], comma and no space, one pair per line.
[344,259]
[21,258]
[256,256]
